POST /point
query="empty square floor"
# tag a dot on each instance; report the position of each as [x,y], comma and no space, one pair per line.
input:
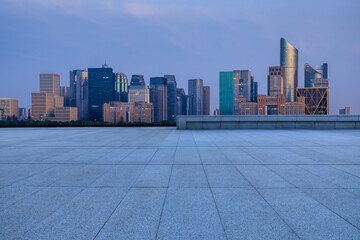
[163,183]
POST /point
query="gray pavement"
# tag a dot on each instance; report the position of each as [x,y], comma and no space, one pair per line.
[163,183]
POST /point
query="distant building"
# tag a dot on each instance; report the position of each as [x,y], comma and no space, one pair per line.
[320,82]
[241,87]
[196,92]
[289,60]
[101,90]
[22,114]
[276,81]
[42,105]
[158,97]
[316,99]
[254,90]
[217,111]
[59,101]
[226,99]
[9,107]
[180,102]
[189,105]
[345,111]
[65,114]
[50,83]
[128,112]
[279,101]
[139,93]
[206,100]
[66,93]
[74,85]
[310,74]
[121,87]
[82,95]
[137,80]
[171,97]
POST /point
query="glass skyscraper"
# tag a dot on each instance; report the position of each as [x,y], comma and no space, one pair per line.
[137,80]
[226,93]
[321,72]
[121,87]
[101,90]
[289,60]
[171,97]
[196,91]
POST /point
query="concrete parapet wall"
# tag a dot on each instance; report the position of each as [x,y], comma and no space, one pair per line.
[269,122]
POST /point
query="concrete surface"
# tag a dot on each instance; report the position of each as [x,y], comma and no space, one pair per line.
[163,183]
[269,122]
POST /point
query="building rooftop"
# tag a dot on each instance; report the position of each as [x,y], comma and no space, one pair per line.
[163,183]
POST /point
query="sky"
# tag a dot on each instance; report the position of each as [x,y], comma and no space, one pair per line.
[188,38]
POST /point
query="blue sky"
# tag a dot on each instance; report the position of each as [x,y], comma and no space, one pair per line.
[191,39]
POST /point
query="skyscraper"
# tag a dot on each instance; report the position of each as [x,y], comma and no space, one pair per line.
[9,107]
[121,87]
[66,93]
[316,99]
[42,105]
[226,93]
[289,60]
[180,102]
[73,86]
[254,90]
[311,74]
[196,91]
[50,82]
[137,80]
[241,87]
[206,100]
[276,81]
[22,114]
[82,95]
[101,90]
[158,97]
[171,97]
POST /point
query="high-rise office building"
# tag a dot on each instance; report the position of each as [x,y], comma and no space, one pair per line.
[206,100]
[196,91]
[50,82]
[158,97]
[180,102]
[345,111]
[73,85]
[171,97]
[121,87]
[316,99]
[101,90]
[59,101]
[22,114]
[316,77]
[189,105]
[254,90]
[276,81]
[226,99]
[65,114]
[42,105]
[82,95]
[128,112]
[66,93]
[289,60]
[241,87]
[137,79]
[9,107]
[139,93]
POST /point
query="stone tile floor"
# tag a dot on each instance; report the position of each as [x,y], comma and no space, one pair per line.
[163,183]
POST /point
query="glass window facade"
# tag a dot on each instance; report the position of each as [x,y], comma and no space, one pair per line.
[289,60]
[226,93]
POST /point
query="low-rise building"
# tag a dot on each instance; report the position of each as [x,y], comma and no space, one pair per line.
[128,112]
[9,107]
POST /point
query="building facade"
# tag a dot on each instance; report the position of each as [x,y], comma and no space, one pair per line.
[137,79]
[289,60]
[206,100]
[180,102]
[241,87]
[65,114]
[254,90]
[158,97]
[82,95]
[74,74]
[9,107]
[226,93]
[345,111]
[66,93]
[311,74]
[22,114]
[42,105]
[128,112]
[101,90]
[139,93]
[121,87]
[316,100]
[171,97]
[50,83]
[278,102]
[276,81]
[196,91]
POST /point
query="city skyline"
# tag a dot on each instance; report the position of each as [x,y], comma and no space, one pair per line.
[183,48]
